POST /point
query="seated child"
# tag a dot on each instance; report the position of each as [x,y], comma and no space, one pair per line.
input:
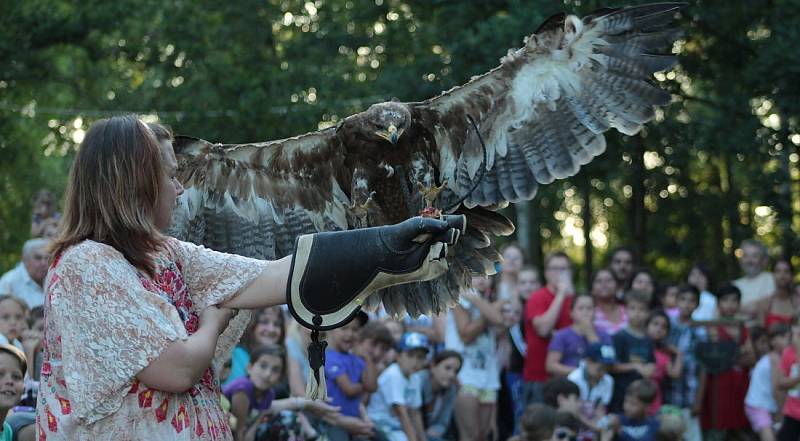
[266,327]
[388,406]
[12,373]
[253,404]
[438,389]
[634,424]
[594,383]
[537,423]
[349,373]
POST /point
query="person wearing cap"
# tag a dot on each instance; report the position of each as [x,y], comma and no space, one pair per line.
[594,383]
[389,406]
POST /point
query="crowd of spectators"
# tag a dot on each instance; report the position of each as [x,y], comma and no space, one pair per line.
[523,356]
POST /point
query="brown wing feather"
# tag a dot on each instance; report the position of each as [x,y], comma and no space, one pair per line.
[541,114]
[238,195]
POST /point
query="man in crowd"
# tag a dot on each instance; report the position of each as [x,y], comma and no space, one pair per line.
[756,282]
[546,311]
[26,279]
[622,263]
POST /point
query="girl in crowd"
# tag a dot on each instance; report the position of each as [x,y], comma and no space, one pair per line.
[669,361]
[762,403]
[470,331]
[253,403]
[609,315]
[265,328]
[568,346]
[438,387]
[643,281]
[700,277]
[668,299]
[779,307]
[13,312]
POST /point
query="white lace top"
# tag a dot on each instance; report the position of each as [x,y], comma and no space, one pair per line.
[105,321]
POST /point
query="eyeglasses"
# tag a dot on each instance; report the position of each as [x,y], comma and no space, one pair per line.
[565,434]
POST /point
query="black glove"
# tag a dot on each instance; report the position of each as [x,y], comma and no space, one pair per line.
[333,273]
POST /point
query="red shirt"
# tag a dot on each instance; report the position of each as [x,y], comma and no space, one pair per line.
[790,368]
[538,303]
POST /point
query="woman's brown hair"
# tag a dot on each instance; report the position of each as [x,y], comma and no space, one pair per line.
[113,190]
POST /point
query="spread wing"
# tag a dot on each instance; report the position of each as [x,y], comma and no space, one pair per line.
[542,113]
[255,199]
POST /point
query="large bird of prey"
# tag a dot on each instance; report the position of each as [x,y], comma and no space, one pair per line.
[539,116]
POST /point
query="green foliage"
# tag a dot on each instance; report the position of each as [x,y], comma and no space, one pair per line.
[687,188]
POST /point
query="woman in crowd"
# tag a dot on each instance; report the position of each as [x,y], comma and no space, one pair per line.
[609,315]
[644,282]
[700,277]
[438,389]
[782,304]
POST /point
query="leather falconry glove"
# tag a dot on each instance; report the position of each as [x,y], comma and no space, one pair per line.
[332,273]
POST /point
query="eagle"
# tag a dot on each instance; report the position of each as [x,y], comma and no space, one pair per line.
[537,117]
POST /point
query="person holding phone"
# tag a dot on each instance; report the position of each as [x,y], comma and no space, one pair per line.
[546,311]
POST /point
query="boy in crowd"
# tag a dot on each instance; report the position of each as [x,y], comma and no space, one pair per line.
[563,395]
[595,385]
[374,341]
[538,423]
[683,391]
[634,424]
[350,375]
[388,406]
[634,351]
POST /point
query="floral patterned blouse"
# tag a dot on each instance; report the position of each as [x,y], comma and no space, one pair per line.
[105,321]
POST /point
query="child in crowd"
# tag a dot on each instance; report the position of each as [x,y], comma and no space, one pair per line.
[44,213]
[669,300]
[634,351]
[349,375]
[389,406]
[634,424]
[669,361]
[13,311]
[643,281]
[790,382]
[253,404]
[683,336]
[470,331]
[438,389]
[537,424]
[568,345]
[375,341]
[12,372]
[722,411]
[266,328]
[595,385]
[761,406]
[563,395]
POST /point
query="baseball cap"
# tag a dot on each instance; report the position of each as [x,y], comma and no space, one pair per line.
[412,340]
[601,353]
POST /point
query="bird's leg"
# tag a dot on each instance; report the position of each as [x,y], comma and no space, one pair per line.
[361,210]
[430,194]
[389,169]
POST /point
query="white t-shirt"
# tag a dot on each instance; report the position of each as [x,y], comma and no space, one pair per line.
[480,366]
[393,388]
[707,309]
[600,393]
[759,394]
[755,288]
[19,282]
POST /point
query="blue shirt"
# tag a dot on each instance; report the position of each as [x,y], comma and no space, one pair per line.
[338,364]
[637,430]
[629,348]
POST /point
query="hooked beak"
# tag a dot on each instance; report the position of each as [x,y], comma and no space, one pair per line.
[391,134]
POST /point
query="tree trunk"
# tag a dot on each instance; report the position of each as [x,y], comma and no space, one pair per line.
[586,214]
[638,211]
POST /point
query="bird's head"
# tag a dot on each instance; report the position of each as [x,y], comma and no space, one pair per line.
[387,120]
